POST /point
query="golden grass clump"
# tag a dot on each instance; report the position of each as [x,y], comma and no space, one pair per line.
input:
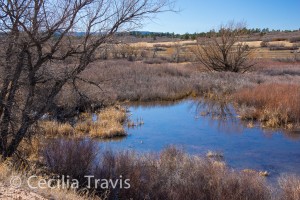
[275,105]
[54,128]
[107,129]
[84,124]
[109,123]
[116,113]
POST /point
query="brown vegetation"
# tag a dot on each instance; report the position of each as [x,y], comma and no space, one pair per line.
[54,128]
[108,123]
[275,105]
[290,186]
[143,82]
[225,51]
[175,175]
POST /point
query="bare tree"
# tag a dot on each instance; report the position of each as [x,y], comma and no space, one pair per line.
[177,50]
[224,50]
[46,44]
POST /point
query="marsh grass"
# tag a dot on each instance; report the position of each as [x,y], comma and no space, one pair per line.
[275,105]
[109,123]
[107,129]
[54,128]
[173,174]
[290,186]
[137,81]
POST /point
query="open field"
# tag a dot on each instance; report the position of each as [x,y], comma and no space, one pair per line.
[182,51]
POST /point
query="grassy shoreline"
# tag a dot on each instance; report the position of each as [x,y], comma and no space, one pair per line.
[106,123]
[273,105]
[139,82]
[171,174]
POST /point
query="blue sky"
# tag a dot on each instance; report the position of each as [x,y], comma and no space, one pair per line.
[203,15]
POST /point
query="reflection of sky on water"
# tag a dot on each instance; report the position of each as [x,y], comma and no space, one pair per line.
[182,124]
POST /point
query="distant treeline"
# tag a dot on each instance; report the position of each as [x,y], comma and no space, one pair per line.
[193,36]
[185,36]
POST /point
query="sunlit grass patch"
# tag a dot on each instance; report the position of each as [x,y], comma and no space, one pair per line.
[54,128]
[275,105]
[107,129]
[107,123]
[117,114]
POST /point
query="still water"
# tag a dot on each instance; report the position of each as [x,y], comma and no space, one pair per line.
[200,126]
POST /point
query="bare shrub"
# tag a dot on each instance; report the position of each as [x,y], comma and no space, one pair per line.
[224,51]
[264,44]
[145,82]
[74,158]
[290,186]
[278,39]
[281,48]
[294,39]
[176,175]
[171,174]
[286,70]
[158,60]
[291,59]
[162,45]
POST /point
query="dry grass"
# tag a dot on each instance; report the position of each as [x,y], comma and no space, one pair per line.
[109,123]
[136,81]
[174,175]
[54,128]
[7,172]
[290,186]
[107,129]
[117,114]
[275,105]
[171,174]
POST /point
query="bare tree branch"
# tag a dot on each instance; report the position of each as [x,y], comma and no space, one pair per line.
[41,52]
[224,51]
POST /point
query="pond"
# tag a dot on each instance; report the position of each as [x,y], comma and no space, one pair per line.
[200,126]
